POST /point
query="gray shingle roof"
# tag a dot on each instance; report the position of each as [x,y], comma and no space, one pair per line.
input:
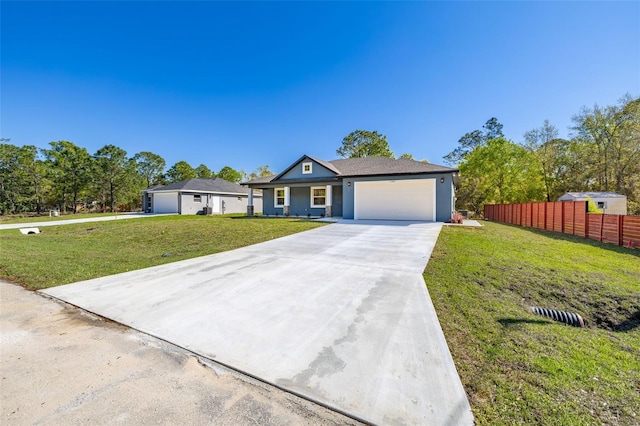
[326,164]
[265,179]
[368,166]
[202,185]
[578,195]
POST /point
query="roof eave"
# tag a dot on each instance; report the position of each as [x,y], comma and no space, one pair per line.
[297,181]
[433,172]
[197,191]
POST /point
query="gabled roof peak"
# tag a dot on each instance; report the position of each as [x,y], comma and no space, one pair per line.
[299,160]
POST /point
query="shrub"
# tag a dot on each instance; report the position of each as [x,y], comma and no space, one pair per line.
[591,206]
[457,218]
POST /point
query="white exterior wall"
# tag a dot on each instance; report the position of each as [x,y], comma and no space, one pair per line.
[188,206]
[257,203]
[183,203]
[238,203]
[612,205]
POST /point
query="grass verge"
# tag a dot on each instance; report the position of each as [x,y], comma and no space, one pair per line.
[70,253]
[519,368]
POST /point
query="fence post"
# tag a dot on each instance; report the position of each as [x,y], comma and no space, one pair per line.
[620,228]
[531,215]
[586,218]
[546,216]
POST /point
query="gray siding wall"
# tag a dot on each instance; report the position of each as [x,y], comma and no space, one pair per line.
[317,171]
[337,201]
[267,202]
[188,206]
[445,197]
[444,193]
[147,203]
[300,197]
[301,202]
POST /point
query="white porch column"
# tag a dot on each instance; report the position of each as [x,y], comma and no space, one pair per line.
[250,203]
[286,210]
[328,202]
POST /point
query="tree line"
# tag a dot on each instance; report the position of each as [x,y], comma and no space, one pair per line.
[601,154]
[67,177]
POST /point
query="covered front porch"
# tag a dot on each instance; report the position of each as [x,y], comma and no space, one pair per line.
[300,200]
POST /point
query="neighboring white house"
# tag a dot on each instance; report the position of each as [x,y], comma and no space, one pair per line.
[199,196]
[608,202]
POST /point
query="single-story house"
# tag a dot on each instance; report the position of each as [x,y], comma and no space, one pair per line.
[608,202]
[199,196]
[360,188]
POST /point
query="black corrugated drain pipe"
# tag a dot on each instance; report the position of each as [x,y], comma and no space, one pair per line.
[565,317]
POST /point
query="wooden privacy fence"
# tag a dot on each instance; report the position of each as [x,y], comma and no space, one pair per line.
[570,218]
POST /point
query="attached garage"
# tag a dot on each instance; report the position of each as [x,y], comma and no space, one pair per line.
[165,203]
[411,199]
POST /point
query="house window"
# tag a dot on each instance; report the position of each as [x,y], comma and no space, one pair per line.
[307,168]
[278,197]
[601,204]
[197,198]
[318,196]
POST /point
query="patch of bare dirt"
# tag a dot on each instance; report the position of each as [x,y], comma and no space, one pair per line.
[60,365]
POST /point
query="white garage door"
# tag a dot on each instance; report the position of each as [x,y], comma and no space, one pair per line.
[396,200]
[165,203]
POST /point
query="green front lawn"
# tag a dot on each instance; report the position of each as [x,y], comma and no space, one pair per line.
[70,253]
[519,368]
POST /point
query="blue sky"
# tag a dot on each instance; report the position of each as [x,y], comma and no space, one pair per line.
[246,84]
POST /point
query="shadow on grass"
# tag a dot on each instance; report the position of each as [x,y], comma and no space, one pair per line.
[577,239]
[629,324]
[508,322]
[294,218]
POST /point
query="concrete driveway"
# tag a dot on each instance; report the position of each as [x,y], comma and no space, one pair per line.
[339,315]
